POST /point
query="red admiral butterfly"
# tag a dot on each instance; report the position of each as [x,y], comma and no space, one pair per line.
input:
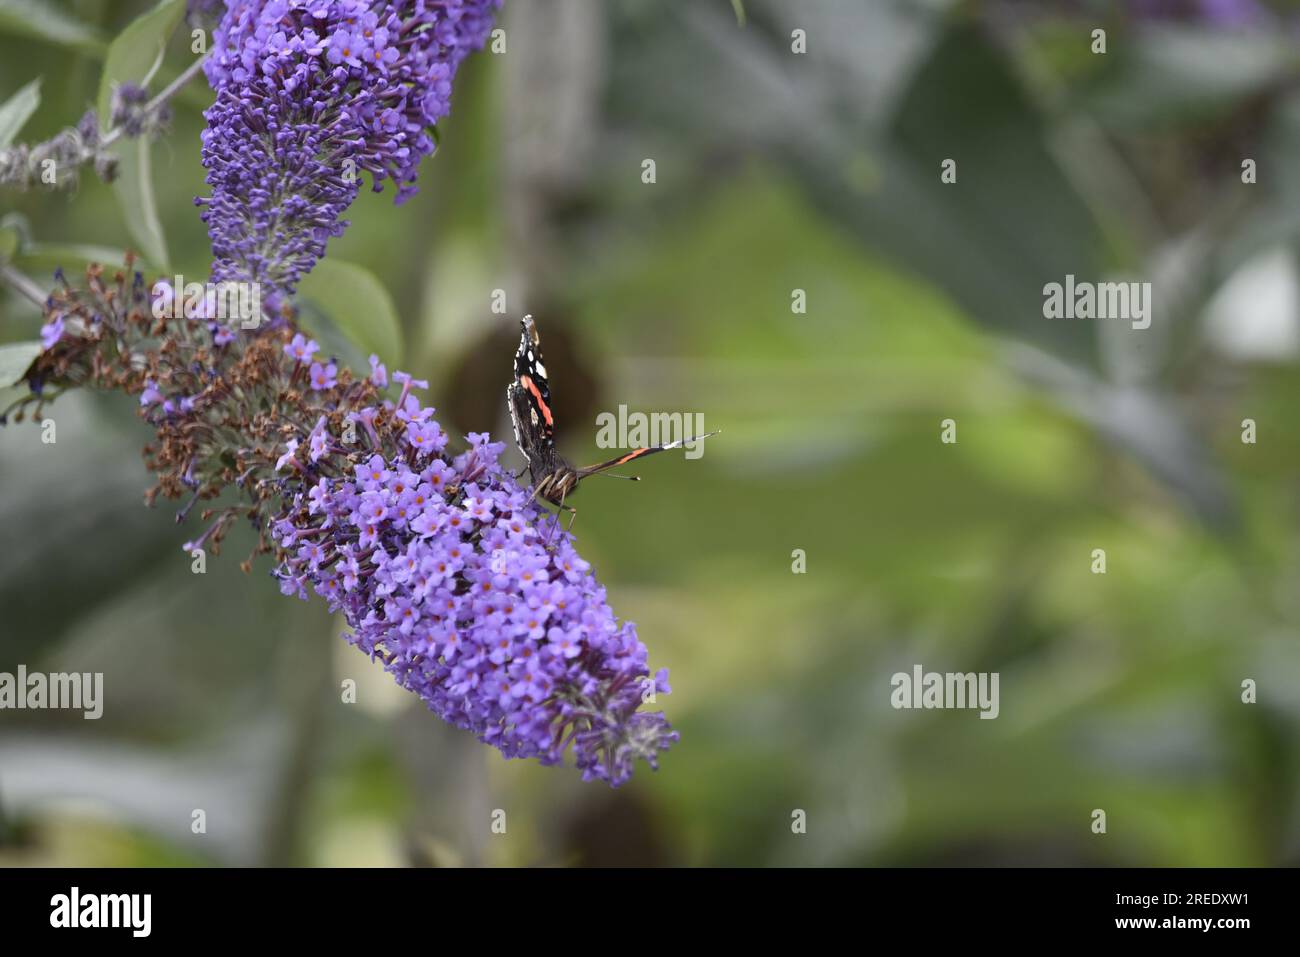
[529,399]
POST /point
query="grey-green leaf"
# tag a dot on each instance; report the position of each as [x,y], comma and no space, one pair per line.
[134,189]
[17,225]
[132,56]
[135,51]
[10,242]
[44,258]
[357,304]
[17,110]
[14,360]
[44,21]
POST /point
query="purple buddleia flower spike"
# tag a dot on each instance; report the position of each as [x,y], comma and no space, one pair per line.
[442,569]
[311,96]
[442,566]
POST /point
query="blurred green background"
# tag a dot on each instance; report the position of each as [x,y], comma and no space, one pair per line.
[775,172]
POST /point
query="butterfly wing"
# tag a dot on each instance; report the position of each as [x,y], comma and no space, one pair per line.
[528,398]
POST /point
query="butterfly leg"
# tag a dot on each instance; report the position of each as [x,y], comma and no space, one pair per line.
[534,496]
[537,489]
[573,513]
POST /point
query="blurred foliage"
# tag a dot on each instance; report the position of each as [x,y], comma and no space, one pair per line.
[775,172]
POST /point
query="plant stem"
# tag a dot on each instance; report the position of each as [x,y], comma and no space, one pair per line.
[22,284]
[167,93]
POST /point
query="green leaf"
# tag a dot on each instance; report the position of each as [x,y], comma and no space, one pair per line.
[1160,78]
[42,20]
[17,225]
[133,57]
[1014,219]
[357,304]
[71,257]
[11,240]
[135,52]
[134,189]
[17,110]
[14,360]
[88,509]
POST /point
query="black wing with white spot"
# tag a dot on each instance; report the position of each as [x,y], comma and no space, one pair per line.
[529,397]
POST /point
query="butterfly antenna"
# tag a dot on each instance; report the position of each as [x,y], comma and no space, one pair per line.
[603,467]
[694,438]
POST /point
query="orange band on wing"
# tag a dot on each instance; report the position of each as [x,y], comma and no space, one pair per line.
[631,455]
[531,386]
